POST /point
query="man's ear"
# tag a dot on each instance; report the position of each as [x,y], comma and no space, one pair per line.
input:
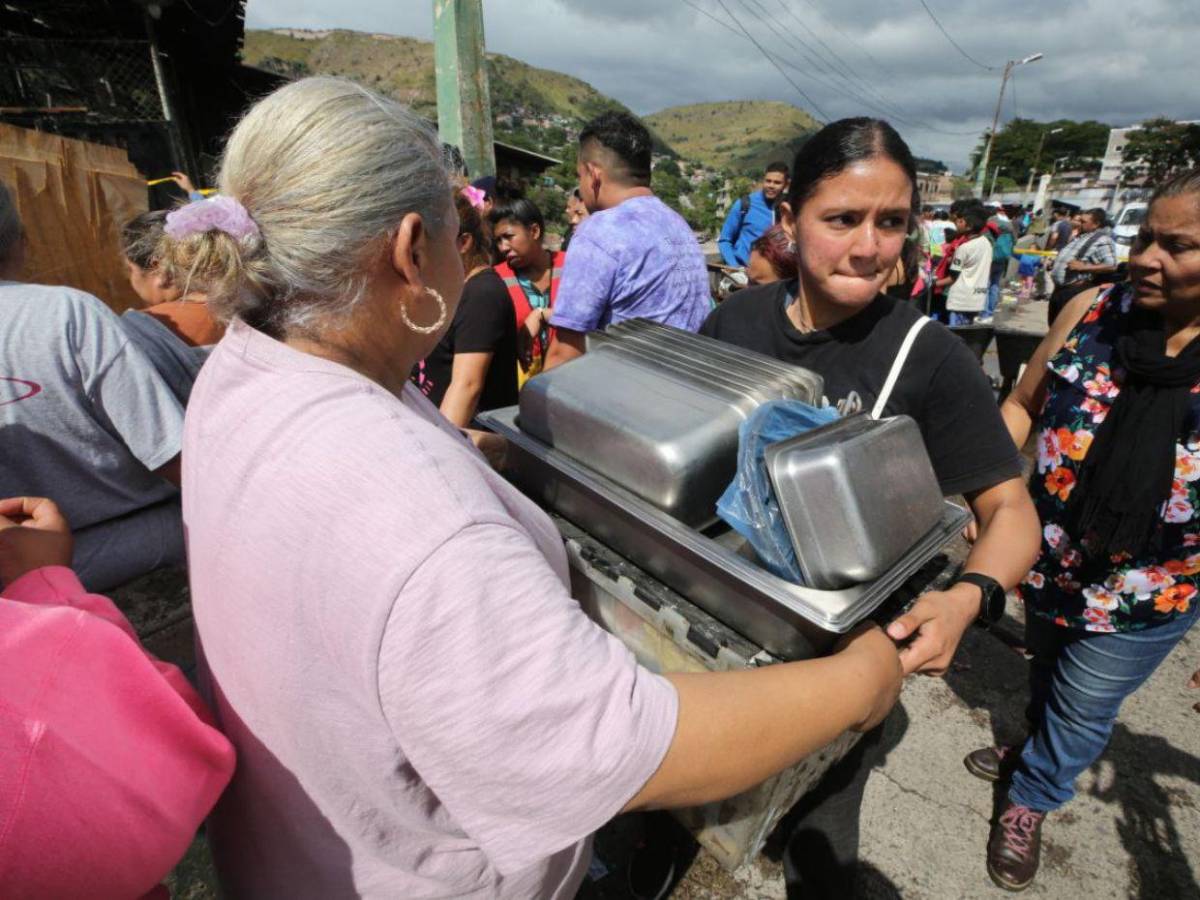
[595,175]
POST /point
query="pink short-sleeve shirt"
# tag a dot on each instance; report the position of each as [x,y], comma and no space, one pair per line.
[419,707]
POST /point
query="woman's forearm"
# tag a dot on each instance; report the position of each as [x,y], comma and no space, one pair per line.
[1009,535]
[460,402]
[736,729]
[468,372]
[1018,420]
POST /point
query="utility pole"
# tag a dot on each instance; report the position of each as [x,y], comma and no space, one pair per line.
[463,99]
[995,175]
[1037,158]
[981,171]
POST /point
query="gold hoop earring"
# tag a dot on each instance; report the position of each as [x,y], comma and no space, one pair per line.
[426,329]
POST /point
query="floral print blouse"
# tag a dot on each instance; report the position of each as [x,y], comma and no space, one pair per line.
[1120,593]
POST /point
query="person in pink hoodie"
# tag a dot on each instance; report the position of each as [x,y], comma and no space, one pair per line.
[109,759]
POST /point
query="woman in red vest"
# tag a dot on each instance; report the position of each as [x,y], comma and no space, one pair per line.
[531,274]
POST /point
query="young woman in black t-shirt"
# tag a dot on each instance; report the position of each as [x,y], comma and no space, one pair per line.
[850,205]
[474,366]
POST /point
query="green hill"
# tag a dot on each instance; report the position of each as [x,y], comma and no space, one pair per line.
[534,108]
[741,135]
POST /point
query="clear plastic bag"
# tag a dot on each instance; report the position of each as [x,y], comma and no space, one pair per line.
[748,504]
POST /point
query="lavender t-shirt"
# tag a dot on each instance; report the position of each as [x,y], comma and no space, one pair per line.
[419,707]
[638,260]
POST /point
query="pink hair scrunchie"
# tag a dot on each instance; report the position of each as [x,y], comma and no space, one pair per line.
[217,213]
[474,196]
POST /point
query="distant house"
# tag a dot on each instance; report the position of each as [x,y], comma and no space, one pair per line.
[935,187]
[520,164]
[1113,164]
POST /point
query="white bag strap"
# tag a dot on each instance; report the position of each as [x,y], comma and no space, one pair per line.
[898,366]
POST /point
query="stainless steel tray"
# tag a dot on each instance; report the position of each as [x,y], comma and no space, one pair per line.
[851,494]
[730,355]
[704,377]
[667,439]
[709,370]
[787,620]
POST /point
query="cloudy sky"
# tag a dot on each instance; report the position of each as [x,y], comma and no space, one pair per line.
[1119,61]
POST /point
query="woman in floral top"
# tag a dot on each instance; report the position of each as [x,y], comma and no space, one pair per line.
[1114,393]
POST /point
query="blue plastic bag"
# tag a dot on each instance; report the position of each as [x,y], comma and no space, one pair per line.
[749,504]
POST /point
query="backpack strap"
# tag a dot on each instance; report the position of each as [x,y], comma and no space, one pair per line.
[742,213]
[898,366]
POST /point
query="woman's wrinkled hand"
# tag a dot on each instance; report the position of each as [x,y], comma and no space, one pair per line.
[33,534]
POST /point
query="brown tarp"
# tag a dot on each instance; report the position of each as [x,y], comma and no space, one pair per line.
[73,197]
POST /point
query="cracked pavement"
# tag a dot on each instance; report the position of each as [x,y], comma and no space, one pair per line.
[1133,829]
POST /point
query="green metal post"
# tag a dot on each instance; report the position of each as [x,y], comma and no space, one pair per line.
[464,102]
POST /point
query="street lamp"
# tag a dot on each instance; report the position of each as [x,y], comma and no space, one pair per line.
[981,172]
[995,175]
[1037,158]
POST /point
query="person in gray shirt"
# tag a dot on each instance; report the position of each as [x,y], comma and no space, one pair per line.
[87,420]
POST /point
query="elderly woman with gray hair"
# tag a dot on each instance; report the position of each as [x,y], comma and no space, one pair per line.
[418,706]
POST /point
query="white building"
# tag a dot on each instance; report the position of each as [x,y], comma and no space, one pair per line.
[1110,169]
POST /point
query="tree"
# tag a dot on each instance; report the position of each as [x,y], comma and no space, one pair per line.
[1159,149]
[669,167]
[553,204]
[1077,145]
[925,164]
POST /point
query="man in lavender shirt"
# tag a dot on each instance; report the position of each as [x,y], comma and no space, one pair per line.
[634,257]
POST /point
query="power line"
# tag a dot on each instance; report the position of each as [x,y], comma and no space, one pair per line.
[827,76]
[834,77]
[820,114]
[967,56]
[883,70]
[843,68]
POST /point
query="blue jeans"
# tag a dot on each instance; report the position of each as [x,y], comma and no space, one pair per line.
[997,275]
[1078,681]
[962,318]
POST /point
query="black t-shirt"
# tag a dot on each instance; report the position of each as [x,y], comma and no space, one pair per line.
[941,385]
[483,323]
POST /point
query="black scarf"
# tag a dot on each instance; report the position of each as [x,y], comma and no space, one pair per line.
[1127,474]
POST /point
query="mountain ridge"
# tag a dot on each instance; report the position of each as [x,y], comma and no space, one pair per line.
[539,109]
[738,135]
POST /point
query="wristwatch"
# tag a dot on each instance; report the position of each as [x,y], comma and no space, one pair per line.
[991,607]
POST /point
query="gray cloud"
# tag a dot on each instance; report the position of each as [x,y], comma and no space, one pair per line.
[1107,59]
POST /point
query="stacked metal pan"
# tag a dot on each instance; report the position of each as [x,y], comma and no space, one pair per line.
[657,411]
[634,441]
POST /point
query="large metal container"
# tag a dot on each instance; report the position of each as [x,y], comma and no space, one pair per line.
[666,439]
[852,495]
[788,620]
[706,376]
[729,357]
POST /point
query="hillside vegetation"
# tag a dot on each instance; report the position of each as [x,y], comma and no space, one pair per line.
[535,108]
[739,135]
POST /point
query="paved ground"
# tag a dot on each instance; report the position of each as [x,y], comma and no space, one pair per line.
[1133,831]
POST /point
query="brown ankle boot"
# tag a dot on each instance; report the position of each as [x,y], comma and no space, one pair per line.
[1015,847]
[993,763]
